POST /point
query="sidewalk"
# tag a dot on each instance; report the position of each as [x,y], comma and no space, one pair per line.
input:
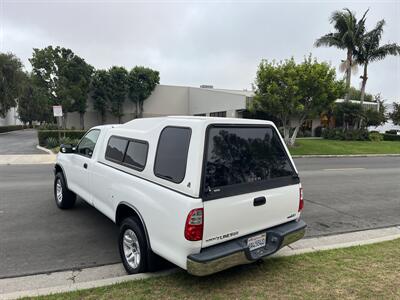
[27,159]
[56,282]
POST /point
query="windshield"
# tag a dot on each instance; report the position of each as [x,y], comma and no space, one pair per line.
[244,155]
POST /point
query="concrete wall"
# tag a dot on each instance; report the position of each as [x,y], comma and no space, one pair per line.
[169,100]
[206,101]
[165,100]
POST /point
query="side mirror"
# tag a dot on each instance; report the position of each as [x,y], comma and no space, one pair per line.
[67,148]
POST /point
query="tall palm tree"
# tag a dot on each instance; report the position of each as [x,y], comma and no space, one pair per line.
[370,50]
[347,35]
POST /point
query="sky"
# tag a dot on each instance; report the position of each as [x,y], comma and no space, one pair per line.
[218,43]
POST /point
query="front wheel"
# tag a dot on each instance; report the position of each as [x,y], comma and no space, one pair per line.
[63,196]
[132,246]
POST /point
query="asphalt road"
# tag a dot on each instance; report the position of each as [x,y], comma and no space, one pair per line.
[342,194]
[19,142]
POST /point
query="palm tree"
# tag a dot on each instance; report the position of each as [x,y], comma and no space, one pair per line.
[347,35]
[370,50]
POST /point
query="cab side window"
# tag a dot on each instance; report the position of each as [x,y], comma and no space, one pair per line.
[88,142]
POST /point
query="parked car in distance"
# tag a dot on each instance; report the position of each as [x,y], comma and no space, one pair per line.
[203,193]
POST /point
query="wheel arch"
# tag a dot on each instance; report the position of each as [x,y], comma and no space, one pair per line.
[58,168]
[125,210]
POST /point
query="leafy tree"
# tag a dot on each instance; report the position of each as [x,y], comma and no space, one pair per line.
[11,76]
[117,91]
[375,117]
[395,114]
[370,50]
[78,77]
[355,94]
[141,83]
[347,114]
[99,89]
[65,76]
[295,92]
[33,104]
[347,35]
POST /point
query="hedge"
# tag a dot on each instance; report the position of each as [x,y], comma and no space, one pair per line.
[346,135]
[391,137]
[43,135]
[12,128]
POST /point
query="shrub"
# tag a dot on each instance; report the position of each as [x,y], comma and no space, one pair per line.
[375,136]
[391,137]
[51,142]
[347,135]
[48,127]
[43,135]
[11,128]
[318,131]
[65,140]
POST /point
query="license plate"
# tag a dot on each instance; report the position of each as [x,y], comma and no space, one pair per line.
[257,241]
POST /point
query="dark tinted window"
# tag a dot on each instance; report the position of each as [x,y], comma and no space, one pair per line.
[88,142]
[218,114]
[116,148]
[172,152]
[136,154]
[238,155]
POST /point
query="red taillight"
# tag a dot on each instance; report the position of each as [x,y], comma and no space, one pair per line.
[301,200]
[194,225]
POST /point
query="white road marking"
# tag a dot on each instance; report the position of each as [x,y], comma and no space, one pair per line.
[344,169]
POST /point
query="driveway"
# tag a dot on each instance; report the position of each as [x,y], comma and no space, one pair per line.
[341,195]
[19,142]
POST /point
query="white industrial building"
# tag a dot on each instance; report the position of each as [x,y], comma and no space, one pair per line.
[179,100]
[176,100]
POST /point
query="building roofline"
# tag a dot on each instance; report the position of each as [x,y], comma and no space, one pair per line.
[226,91]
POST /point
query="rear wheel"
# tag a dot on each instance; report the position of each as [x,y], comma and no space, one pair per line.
[62,195]
[132,246]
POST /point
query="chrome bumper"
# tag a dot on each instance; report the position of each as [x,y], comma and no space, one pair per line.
[233,253]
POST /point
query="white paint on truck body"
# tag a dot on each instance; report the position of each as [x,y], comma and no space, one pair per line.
[163,204]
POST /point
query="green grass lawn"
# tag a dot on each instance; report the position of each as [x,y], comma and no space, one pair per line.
[364,272]
[320,146]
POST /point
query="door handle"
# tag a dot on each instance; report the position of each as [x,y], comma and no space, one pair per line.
[85,165]
[259,201]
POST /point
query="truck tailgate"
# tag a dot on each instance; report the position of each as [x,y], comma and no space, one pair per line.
[231,217]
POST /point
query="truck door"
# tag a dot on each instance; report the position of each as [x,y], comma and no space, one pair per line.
[81,162]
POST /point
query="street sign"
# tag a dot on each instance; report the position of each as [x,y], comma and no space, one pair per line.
[57,111]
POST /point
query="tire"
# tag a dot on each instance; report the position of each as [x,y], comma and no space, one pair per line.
[132,246]
[64,198]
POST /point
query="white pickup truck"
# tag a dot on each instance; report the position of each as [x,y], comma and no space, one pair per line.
[203,193]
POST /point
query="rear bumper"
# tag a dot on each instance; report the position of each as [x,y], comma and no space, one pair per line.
[232,253]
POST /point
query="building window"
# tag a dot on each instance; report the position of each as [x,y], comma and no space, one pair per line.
[199,115]
[240,113]
[172,153]
[221,114]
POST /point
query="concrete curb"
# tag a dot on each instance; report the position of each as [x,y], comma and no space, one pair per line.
[66,281]
[345,155]
[44,149]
